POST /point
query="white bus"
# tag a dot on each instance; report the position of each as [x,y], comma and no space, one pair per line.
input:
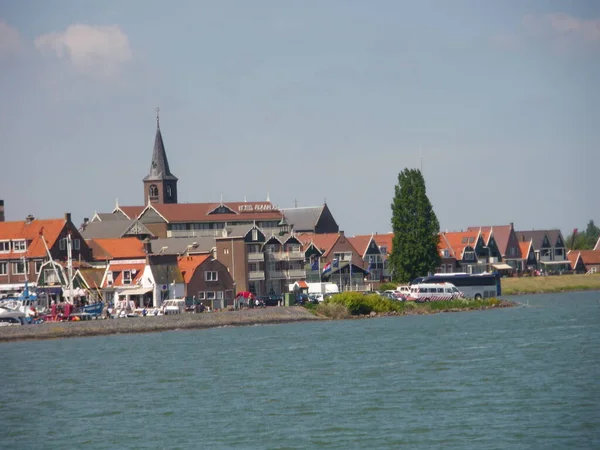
[478,286]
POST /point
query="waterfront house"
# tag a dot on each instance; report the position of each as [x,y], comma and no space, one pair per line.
[597,246]
[549,248]
[25,247]
[529,260]
[206,280]
[448,262]
[461,246]
[339,262]
[504,244]
[373,260]
[584,261]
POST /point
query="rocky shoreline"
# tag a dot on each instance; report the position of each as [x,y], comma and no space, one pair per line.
[149,324]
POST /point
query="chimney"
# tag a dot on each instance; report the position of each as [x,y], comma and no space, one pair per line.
[85,223]
[29,219]
[512,226]
[67,217]
[147,246]
[1,210]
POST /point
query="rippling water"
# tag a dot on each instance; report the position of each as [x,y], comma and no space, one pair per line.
[516,378]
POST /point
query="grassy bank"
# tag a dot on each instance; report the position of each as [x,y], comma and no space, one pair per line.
[354,304]
[540,285]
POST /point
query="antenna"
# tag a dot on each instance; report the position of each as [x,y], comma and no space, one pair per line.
[295,203]
[268,199]
[157,117]
[421,157]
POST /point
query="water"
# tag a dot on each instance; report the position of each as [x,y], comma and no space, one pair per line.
[516,378]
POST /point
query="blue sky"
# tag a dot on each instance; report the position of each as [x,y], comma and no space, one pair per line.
[305,101]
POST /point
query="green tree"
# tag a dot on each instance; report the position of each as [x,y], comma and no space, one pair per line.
[584,240]
[416,229]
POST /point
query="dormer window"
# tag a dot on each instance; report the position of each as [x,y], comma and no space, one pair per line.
[19,246]
[126,277]
[4,246]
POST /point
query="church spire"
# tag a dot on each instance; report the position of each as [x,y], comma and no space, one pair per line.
[159,168]
[160,185]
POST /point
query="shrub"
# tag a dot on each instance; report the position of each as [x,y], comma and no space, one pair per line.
[388,287]
[356,303]
[332,310]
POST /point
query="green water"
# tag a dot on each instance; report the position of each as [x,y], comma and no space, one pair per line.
[515,378]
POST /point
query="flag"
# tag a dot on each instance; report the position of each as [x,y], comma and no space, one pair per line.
[315,264]
[327,268]
[370,266]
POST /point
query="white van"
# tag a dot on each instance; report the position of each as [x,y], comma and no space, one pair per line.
[427,292]
[174,306]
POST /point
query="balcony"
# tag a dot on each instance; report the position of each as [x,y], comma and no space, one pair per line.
[277,275]
[256,257]
[286,256]
[296,273]
[257,275]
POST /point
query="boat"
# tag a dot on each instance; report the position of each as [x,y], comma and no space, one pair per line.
[11,317]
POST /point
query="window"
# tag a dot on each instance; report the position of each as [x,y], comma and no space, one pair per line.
[210,295]
[471,240]
[19,246]
[465,240]
[3,269]
[76,244]
[255,234]
[169,191]
[4,246]
[153,190]
[126,277]
[18,268]
[62,244]
[38,265]
[446,253]
[383,250]
[469,255]
[51,276]
[226,251]
[211,276]
[558,252]
[200,295]
[178,226]
[220,295]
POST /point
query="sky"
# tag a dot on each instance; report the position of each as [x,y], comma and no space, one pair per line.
[305,102]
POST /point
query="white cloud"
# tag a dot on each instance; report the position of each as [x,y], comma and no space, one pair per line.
[563,28]
[100,50]
[10,40]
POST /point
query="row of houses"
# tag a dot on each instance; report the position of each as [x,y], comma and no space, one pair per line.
[119,254]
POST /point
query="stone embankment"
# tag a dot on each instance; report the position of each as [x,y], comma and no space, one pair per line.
[55,330]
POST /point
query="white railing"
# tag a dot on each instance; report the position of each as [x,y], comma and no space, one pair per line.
[256,275]
[194,233]
[256,256]
[277,275]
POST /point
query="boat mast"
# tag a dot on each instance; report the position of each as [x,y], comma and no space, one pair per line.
[70,267]
[49,257]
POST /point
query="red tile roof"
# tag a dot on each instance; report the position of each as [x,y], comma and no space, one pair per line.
[573,256]
[122,248]
[199,212]
[189,264]
[501,235]
[324,242]
[361,243]
[384,240]
[455,241]
[120,268]
[51,229]
[525,247]
[590,257]
[132,211]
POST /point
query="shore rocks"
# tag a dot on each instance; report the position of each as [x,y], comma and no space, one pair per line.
[148,324]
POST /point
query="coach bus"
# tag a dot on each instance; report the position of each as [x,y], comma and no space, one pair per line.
[478,286]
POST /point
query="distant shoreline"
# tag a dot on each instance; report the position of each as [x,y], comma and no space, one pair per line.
[553,284]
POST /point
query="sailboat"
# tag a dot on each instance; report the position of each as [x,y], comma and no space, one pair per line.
[69,292]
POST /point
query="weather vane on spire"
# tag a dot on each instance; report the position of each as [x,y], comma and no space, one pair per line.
[157,116]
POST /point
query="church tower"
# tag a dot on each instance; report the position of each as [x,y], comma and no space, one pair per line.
[160,185]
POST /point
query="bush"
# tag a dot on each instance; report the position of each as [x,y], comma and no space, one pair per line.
[332,310]
[358,304]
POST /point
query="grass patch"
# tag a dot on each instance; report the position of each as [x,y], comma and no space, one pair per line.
[558,283]
[357,304]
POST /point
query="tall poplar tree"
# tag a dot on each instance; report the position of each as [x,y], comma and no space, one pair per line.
[416,229]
